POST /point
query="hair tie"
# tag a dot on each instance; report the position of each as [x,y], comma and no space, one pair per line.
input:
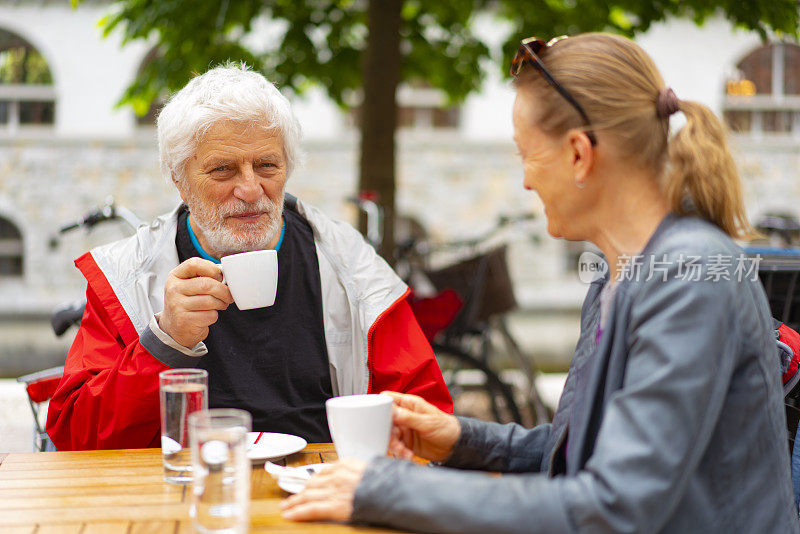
[667,103]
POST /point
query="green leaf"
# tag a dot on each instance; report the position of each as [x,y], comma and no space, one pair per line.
[619,18]
[325,39]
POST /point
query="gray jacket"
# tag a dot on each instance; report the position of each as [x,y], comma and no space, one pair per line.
[677,425]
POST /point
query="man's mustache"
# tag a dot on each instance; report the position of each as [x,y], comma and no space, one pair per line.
[262,206]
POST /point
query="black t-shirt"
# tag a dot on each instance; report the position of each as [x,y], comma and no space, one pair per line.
[273,361]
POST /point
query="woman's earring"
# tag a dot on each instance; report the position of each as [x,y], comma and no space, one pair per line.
[580,184]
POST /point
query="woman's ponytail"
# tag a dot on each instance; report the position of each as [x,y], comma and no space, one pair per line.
[702,178]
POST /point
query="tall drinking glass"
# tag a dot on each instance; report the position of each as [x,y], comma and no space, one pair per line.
[183,392]
[221,482]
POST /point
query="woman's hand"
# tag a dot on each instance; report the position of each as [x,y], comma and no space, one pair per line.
[422,429]
[328,495]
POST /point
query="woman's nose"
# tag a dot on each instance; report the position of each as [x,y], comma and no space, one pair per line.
[526,182]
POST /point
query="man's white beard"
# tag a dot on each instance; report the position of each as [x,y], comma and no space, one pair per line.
[224,241]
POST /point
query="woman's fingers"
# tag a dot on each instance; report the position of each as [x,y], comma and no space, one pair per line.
[317,504]
[408,420]
[399,450]
[395,440]
[411,402]
[396,433]
[330,476]
[403,443]
[327,495]
[317,511]
[306,496]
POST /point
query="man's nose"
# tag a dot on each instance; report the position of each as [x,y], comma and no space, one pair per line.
[248,187]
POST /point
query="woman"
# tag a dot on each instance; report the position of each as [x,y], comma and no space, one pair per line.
[671,419]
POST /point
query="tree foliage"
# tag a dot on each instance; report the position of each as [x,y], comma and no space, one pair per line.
[549,18]
[298,43]
[322,41]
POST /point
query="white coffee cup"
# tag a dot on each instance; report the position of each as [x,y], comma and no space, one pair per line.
[360,425]
[252,278]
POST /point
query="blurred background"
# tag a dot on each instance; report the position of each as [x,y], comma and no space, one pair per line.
[80,87]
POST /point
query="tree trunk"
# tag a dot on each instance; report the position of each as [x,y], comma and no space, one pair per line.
[381,71]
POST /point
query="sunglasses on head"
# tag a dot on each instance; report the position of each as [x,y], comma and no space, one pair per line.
[528,54]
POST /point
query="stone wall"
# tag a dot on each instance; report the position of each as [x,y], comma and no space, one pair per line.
[770,169]
[454,187]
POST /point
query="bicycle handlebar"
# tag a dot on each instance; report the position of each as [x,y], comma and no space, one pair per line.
[503,221]
[70,314]
[128,216]
[66,316]
[69,227]
[108,212]
[374,214]
[89,220]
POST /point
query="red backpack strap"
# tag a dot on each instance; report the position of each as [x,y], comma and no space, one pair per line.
[788,342]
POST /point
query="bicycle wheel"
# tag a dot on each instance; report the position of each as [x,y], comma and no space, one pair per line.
[534,407]
[477,391]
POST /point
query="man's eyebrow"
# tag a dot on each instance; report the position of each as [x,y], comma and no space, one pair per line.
[270,154]
[215,160]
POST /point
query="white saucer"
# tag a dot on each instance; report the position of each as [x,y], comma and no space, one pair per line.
[295,485]
[272,446]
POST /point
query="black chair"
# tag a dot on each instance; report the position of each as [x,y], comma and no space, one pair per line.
[780,276]
[781,280]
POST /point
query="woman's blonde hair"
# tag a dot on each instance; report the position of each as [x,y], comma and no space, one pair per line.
[617,84]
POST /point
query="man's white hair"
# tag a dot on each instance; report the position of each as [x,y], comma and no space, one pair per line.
[231,92]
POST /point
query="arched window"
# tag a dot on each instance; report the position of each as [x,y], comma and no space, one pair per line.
[763,94]
[10,249]
[27,96]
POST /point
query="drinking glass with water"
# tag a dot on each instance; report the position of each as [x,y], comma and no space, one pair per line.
[183,392]
[221,469]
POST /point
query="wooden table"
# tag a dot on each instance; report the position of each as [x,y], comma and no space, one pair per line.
[123,491]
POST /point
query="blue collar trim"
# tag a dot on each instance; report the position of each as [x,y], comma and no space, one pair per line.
[209,257]
[280,239]
[196,243]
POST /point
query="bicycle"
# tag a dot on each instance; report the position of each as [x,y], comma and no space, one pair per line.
[41,385]
[465,319]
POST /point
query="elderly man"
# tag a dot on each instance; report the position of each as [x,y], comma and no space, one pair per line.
[340,323]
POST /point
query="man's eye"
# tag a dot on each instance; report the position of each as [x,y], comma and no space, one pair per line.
[266,164]
[221,168]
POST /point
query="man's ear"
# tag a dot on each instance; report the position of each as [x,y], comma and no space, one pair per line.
[581,153]
[179,186]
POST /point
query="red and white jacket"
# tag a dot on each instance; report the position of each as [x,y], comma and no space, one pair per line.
[108,396]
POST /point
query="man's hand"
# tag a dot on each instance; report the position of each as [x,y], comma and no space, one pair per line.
[193,296]
[420,428]
[328,495]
